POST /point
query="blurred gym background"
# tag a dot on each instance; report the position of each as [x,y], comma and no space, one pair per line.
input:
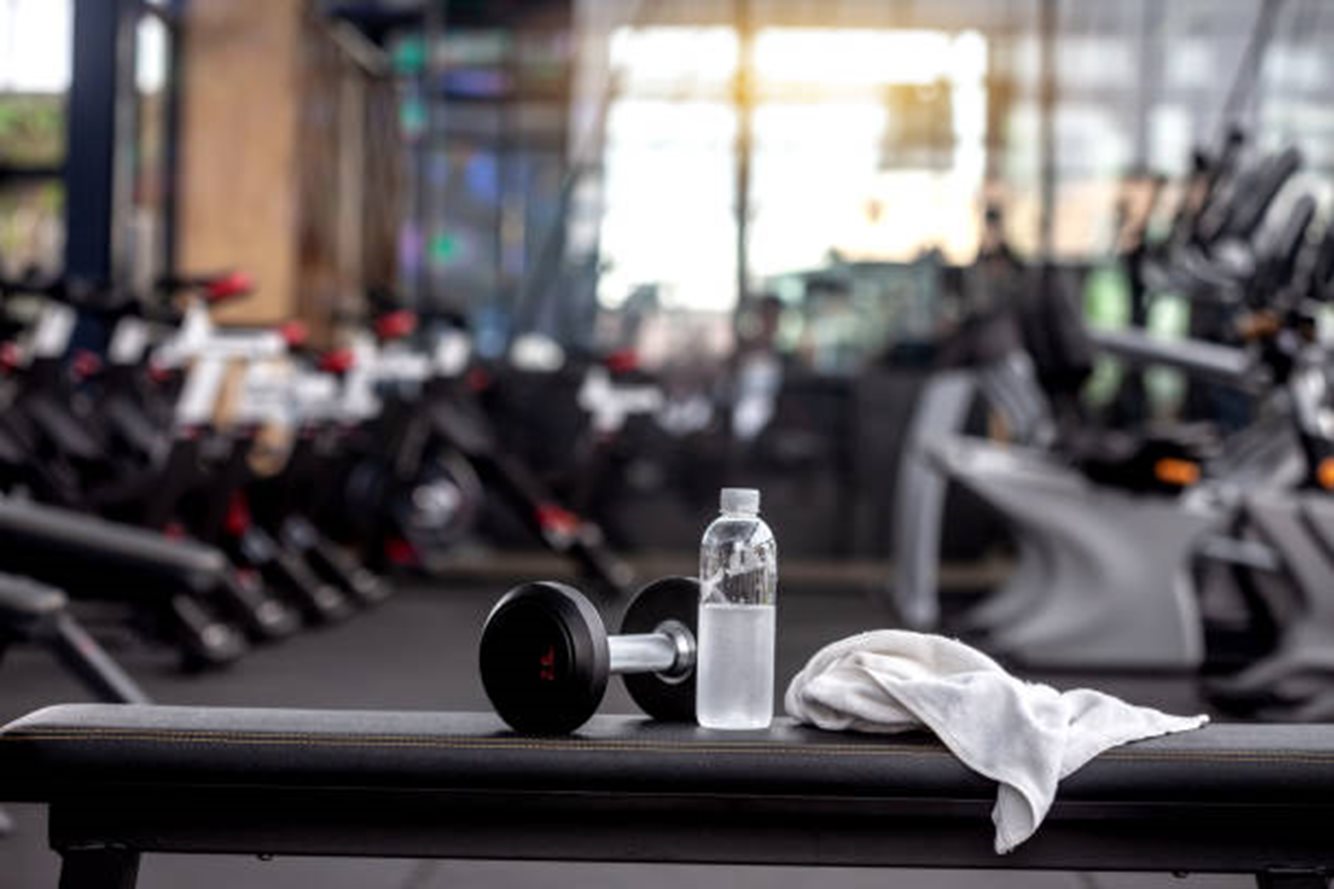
[640,176]
[674,185]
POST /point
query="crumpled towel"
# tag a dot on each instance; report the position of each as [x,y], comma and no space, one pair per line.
[1023,735]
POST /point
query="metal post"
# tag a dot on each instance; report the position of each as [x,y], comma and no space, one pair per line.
[100,114]
[424,200]
[506,148]
[1047,98]
[171,203]
[1150,75]
[1240,106]
[744,99]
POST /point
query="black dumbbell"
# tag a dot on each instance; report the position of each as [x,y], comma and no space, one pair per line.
[546,655]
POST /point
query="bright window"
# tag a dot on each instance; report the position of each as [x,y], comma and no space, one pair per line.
[868,143]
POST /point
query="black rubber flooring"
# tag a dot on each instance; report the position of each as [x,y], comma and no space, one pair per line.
[418,652]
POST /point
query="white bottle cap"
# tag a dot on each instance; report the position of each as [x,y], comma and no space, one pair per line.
[741,500]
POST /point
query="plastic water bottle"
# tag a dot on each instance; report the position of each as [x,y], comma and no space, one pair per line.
[738,572]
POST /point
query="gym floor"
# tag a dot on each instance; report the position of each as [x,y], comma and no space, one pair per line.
[418,652]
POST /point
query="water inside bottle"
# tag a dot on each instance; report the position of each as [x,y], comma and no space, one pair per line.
[735,688]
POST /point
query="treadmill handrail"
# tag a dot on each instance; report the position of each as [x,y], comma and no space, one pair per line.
[1223,364]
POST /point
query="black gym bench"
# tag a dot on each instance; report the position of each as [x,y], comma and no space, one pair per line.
[125,779]
[70,548]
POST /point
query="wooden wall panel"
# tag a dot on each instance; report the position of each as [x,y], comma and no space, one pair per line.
[239,148]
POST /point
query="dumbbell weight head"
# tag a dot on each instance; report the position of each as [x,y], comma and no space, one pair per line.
[670,606]
[544,658]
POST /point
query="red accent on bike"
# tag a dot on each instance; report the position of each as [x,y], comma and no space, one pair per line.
[478,380]
[399,552]
[295,333]
[228,286]
[238,515]
[11,356]
[174,531]
[338,361]
[85,364]
[622,361]
[395,325]
[556,519]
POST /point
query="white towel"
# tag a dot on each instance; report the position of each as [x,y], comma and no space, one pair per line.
[1024,735]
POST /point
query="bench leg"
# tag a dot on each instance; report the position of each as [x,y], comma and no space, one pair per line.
[98,868]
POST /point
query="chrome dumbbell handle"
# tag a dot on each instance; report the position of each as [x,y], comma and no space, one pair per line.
[669,650]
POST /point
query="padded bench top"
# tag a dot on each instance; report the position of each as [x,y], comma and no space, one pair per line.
[327,781]
[86,745]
